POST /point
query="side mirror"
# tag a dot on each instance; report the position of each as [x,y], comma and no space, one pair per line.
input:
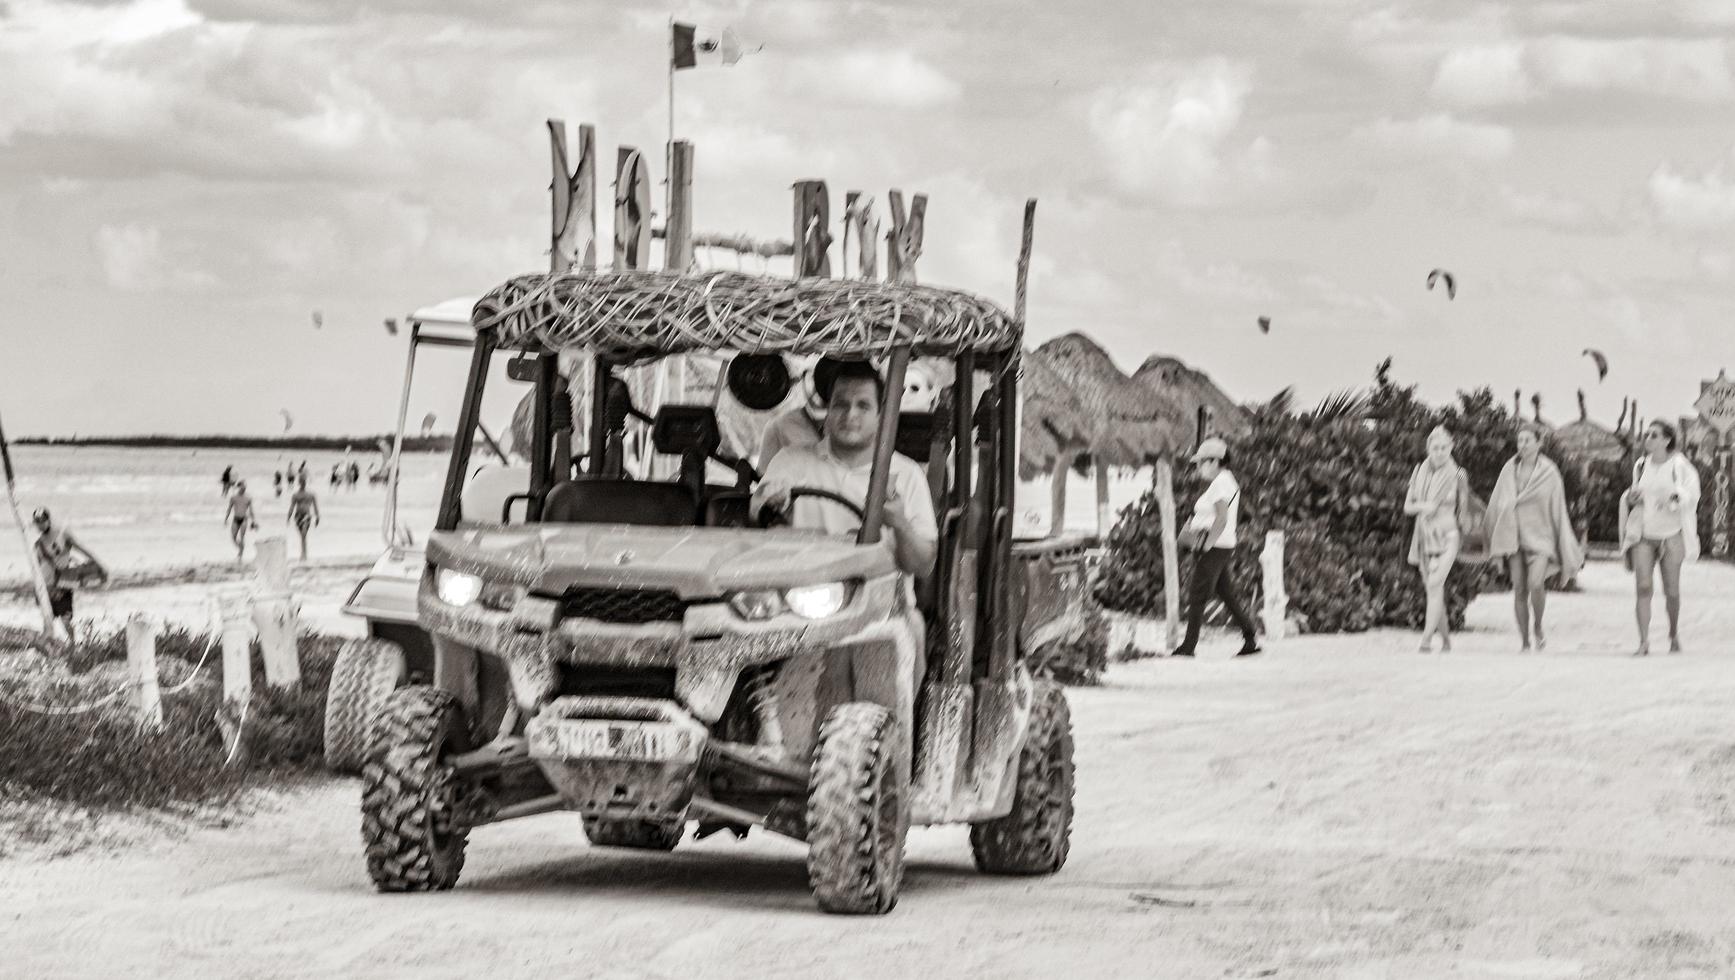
[522,369]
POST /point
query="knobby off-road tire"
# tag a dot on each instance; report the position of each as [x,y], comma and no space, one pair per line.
[1034,838]
[647,834]
[365,674]
[857,812]
[413,842]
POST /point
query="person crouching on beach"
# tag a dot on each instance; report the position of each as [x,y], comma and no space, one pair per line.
[1660,526]
[303,512]
[1529,527]
[240,517]
[1212,532]
[57,554]
[1438,487]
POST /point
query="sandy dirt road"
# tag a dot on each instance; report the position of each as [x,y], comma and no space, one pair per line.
[1342,807]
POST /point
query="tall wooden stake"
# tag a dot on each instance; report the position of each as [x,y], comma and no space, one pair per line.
[1057,493]
[904,240]
[812,229]
[632,211]
[142,633]
[36,579]
[678,250]
[1171,553]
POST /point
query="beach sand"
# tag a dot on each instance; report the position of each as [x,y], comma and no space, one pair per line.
[1341,807]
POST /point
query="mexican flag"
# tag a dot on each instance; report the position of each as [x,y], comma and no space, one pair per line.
[687,49]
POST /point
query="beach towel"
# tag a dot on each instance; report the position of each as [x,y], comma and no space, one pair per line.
[1544,485]
[1444,486]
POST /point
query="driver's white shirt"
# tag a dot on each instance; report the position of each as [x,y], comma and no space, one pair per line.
[814,466]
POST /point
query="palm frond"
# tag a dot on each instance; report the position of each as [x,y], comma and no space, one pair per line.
[1341,406]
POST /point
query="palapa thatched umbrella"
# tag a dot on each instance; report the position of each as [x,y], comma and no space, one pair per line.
[1187,389]
[1583,441]
[1053,426]
[1126,425]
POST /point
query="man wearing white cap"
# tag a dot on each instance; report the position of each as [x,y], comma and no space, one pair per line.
[1211,536]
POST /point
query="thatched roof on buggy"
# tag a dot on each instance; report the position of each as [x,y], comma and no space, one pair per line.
[629,316]
[1128,425]
[1186,388]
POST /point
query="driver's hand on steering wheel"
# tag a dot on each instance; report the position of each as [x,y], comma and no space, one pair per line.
[771,493]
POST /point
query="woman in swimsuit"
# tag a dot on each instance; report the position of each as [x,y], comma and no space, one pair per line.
[1660,527]
[303,512]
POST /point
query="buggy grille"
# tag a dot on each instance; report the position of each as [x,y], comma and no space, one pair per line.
[624,605]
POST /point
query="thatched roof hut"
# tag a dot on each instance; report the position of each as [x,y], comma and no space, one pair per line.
[1128,426]
[1053,424]
[1586,440]
[1185,389]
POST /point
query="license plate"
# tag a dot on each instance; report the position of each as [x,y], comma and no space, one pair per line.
[642,741]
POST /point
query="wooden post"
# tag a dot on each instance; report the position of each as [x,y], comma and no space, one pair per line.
[147,699]
[678,248]
[237,639]
[39,583]
[1057,493]
[632,210]
[274,615]
[1721,461]
[1165,478]
[1275,609]
[1102,505]
[904,241]
[812,229]
[574,198]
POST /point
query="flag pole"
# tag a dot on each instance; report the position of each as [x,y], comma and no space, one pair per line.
[36,578]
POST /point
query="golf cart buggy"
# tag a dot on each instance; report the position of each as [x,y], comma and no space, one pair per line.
[648,652]
[396,650]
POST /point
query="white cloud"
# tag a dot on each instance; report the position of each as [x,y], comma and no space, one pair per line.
[1168,134]
[1519,71]
[131,255]
[1439,135]
[1551,210]
[1692,203]
[897,79]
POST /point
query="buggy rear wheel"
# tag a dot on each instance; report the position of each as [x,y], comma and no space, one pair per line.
[365,674]
[1034,838]
[409,821]
[857,812]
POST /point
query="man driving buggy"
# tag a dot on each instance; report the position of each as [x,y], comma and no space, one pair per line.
[842,462]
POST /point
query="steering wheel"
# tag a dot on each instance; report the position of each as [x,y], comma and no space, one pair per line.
[770,517]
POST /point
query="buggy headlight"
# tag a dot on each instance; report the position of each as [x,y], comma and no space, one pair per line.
[456,588]
[817,601]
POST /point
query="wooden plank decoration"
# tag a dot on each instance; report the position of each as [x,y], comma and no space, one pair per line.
[632,211]
[678,253]
[274,615]
[904,241]
[574,200]
[1276,604]
[812,229]
[861,224]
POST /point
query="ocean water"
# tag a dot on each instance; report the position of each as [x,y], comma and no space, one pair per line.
[161,509]
[147,509]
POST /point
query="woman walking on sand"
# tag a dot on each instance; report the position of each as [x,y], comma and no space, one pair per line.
[303,512]
[1660,526]
[1211,536]
[1438,490]
[1530,529]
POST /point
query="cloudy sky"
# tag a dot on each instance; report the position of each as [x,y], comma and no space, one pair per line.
[182,182]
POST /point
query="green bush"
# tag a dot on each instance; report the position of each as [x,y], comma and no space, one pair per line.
[102,759]
[1076,660]
[1333,480]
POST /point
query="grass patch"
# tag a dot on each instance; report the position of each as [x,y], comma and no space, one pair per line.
[103,760]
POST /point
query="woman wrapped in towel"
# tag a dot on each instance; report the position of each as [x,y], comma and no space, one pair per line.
[1529,528]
